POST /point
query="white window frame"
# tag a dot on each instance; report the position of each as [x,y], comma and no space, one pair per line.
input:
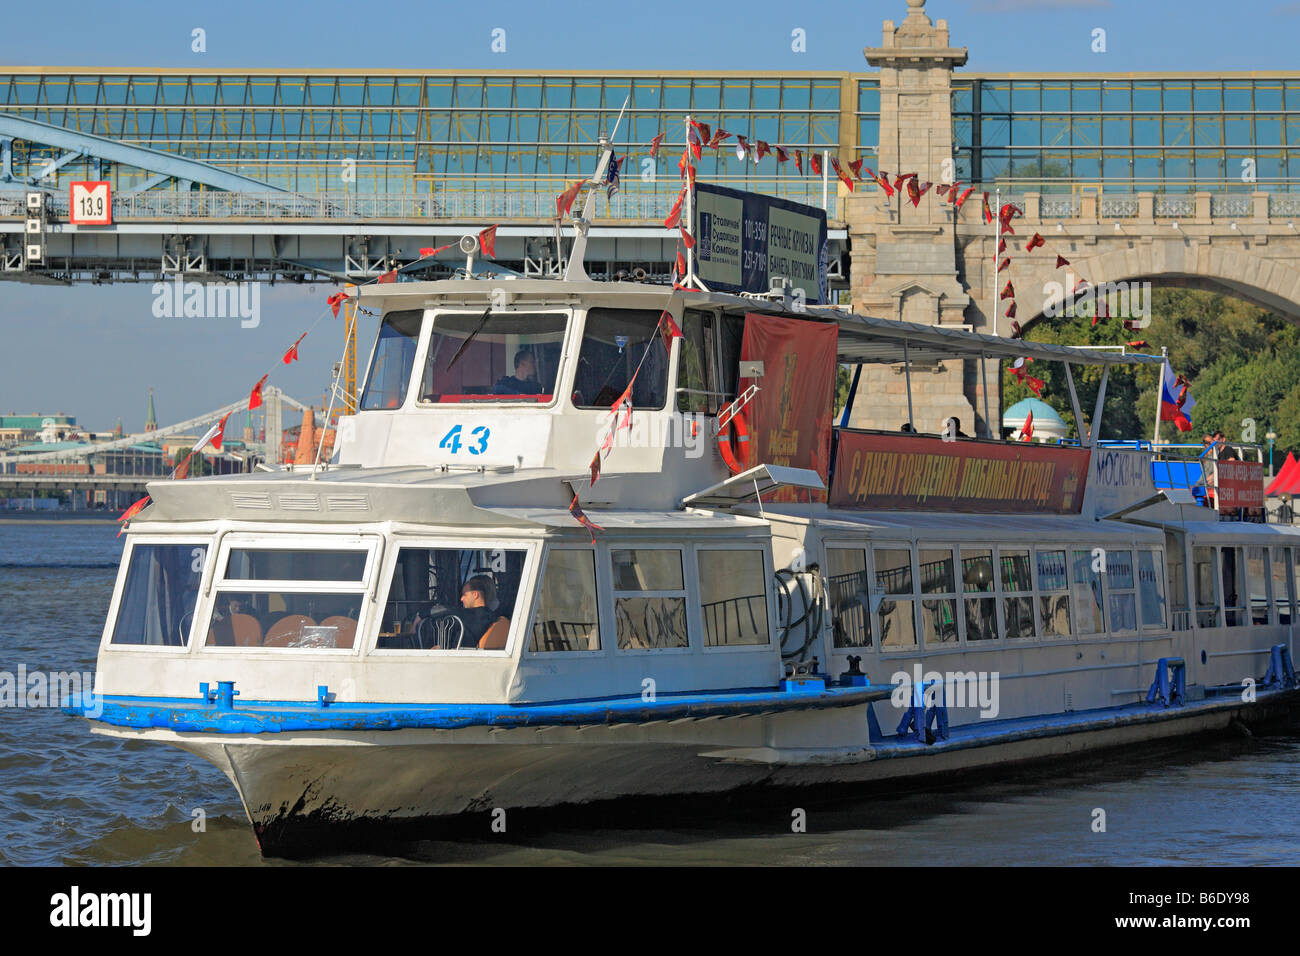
[201,539]
[519,623]
[1109,625]
[602,631]
[959,621]
[289,541]
[1003,595]
[919,645]
[864,546]
[1163,576]
[696,607]
[689,594]
[999,635]
[1040,592]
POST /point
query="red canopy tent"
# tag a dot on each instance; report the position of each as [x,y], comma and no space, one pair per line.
[1286,477]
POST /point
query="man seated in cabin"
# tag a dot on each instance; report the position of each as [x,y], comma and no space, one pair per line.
[524,381]
[483,627]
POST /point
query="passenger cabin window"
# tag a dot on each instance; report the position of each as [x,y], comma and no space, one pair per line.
[733,596]
[1207,601]
[1151,588]
[394,358]
[1120,591]
[1054,594]
[618,346]
[288,599]
[1180,615]
[1087,593]
[493,357]
[938,611]
[1281,568]
[1018,588]
[1257,580]
[894,579]
[850,601]
[566,618]
[649,599]
[1234,588]
[978,587]
[448,599]
[162,586]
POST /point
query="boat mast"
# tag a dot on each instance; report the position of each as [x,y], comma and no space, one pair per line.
[582,223]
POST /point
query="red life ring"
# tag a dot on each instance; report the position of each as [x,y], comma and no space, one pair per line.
[734,450]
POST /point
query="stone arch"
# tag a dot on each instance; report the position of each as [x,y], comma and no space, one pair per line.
[1270,283]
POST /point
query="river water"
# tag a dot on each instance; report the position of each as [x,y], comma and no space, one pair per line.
[69,797]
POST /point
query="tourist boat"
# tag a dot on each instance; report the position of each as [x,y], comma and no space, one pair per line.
[456,616]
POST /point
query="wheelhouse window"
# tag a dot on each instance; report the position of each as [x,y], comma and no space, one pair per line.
[1054,593]
[1018,588]
[1087,593]
[1120,590]
[850,601]
[289,598]
[162,587]
[393,361]
[733,596]
[978,586]
[649,599]
[894,579]
[493,357]
[566,618]
[1151,588]
[447,599]
[938,612]
[618,346]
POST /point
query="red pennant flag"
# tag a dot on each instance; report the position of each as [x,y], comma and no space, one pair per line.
[1011,310]
[1015,330]
[942,190]
[761,148]
[781,155]
[291,356]
[952,191]
[681,265]
[1006,264]
[921,190]
[1035,243]
[595,468]
[389,276]
[913,192]
[1027,429]
[742,146]
[718,138]
[855,168]
[487,240]
[1002,246]
[336,300]
[898,182]
[581,517]
[844,177]
[132,511]
[798,160]
[957,202]
[255,396]
[668,330]
[216,439]
[1061,261]
[690,176]
[1008,212]
[1009,292]
[675,214]
[564,201]
[706,131]
[428,252]
[654,144]
[883,182]
[688,238]
[694,144]
[1035,385]
[182,471]
[1007,230]
[988,213]
[1139,344]
[815,161]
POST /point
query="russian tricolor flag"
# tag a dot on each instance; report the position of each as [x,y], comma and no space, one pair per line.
[1171,410]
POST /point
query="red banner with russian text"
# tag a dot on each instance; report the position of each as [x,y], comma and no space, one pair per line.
[791,417]
[913,473]
[1239,484]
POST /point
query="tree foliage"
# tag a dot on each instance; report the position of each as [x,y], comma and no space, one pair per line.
[1243,364]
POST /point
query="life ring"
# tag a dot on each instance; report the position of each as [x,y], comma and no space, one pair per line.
[734,450]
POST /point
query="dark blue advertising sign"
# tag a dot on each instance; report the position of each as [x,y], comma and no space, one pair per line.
[745,240]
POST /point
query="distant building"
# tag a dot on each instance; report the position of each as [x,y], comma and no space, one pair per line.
[28,428]
[151,420]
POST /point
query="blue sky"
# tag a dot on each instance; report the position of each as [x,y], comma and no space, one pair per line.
[93,351]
